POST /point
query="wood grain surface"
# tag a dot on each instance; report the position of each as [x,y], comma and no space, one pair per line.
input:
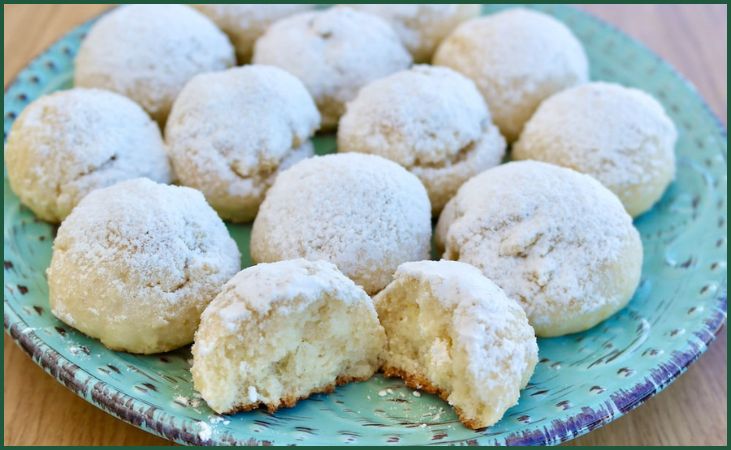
[39,411]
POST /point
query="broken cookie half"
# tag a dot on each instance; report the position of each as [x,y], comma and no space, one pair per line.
[280,332]
[453,332]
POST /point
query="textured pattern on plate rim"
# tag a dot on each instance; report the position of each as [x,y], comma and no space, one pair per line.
[606,372]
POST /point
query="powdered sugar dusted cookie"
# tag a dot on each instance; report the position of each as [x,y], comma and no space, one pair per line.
[432,121]
[231,132]
[334,52]
[517,58]
[554,239]
[245,23]
[135,264]
[453,332]
[620,136]
[422,27]
[149,52]
[65,145]
[363,213]
[280,332]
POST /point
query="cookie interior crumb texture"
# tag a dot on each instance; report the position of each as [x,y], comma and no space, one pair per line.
[554,239]
[280,332]
[453,332]
[135,264]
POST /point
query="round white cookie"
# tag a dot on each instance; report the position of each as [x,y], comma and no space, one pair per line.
[231,132]
[244,23]
[452,332]
[554,239]
[280,332]
[135,264]
[65,145]
[620,136]
[517,58]
[334,52]
[422,26]
[432,121]
[149,52]
[363,213]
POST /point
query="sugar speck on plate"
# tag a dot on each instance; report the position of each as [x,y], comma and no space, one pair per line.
[438,415]
[416,394]
[382,393]
[205,431]
[218,419]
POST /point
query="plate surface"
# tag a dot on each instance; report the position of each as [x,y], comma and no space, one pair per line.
[582,381]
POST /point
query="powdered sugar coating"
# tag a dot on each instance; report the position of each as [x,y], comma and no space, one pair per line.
[136,263]
[620,136]
[287,286]
[361,212]
[334,52]
[244,23]
[517,58]
[552,238]
[149,52]
[492,349]
[231,132]
[431,120]
[422,26]
[66,144]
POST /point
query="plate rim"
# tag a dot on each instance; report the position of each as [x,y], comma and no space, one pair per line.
[113,401]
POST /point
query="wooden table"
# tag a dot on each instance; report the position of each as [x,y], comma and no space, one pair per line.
[39,411]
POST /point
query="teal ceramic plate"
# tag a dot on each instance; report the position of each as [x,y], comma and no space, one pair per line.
[582,381]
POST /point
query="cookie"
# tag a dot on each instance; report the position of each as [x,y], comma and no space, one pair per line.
[554,239]
[422,26]
[280,332]
[361,212]
[244,23]
[334,52]
[66,144]
[149,52]
[452,332]
[432,121]
[620,136]
[231,132]
[135,264]
[517,58]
